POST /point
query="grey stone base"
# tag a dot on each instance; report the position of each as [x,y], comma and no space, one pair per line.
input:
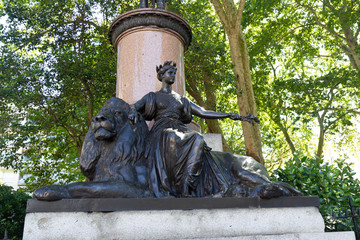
[221,223]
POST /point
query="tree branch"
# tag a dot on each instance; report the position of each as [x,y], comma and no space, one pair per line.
[195,93]
[332,122]
[286,135]
[293,109]
[72,132]
[91,100]
[293,30]
[221,13]
[357,31]
[313,12]
[328,4]
[239,14]
[352,110]
[332,95]
[230,10]
[79,20]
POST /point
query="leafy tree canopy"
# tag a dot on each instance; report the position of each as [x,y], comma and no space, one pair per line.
[58,67]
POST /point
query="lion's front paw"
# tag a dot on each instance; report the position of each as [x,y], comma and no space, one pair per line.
[51,193]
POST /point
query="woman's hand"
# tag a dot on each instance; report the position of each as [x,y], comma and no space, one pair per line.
[133,116]
[249,118]
[234,116]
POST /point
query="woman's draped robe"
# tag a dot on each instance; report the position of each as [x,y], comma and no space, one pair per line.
[180,163]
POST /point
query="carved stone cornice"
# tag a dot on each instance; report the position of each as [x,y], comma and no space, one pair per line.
[145,17]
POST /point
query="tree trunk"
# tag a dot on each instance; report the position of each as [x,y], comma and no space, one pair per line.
[245,95]
[322,129]
[319,151]
[230,17]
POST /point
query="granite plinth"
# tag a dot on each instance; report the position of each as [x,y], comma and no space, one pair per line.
[172,224]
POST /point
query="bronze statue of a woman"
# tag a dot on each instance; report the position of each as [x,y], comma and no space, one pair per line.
[160,3]
[177,156]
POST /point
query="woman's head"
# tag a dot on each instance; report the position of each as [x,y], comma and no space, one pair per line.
[163,70]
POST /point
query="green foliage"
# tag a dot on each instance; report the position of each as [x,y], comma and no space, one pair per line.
[303,71]
[57,67]
[12,211]
[333,183]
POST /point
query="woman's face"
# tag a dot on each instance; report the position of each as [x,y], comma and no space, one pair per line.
[169,76]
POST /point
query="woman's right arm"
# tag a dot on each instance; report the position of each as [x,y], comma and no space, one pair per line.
[138,107]
[145,106]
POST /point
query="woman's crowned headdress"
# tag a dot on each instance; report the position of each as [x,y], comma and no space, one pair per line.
[161,69]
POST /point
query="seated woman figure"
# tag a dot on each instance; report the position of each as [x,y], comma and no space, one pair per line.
[175,153]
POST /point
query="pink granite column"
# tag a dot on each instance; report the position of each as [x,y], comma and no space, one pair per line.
[143,39]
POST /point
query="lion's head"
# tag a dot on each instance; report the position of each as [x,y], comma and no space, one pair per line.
[113,144]
[110,119]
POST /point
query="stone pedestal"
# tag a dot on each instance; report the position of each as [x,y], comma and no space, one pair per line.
[226,218]
[214,141]
[143,39]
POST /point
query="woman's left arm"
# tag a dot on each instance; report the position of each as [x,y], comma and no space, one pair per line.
[200,112]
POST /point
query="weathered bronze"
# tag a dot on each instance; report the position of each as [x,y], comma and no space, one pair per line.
[153,204]
[180,162]
[121,158]
[112,158]
[159,3]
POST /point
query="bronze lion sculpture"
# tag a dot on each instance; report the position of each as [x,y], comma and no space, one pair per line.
[111,159]
[114,162]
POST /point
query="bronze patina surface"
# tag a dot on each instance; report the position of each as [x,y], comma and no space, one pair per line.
[125,204]
[122,158]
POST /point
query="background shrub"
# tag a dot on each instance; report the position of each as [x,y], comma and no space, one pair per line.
[12,212]
[333,183]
